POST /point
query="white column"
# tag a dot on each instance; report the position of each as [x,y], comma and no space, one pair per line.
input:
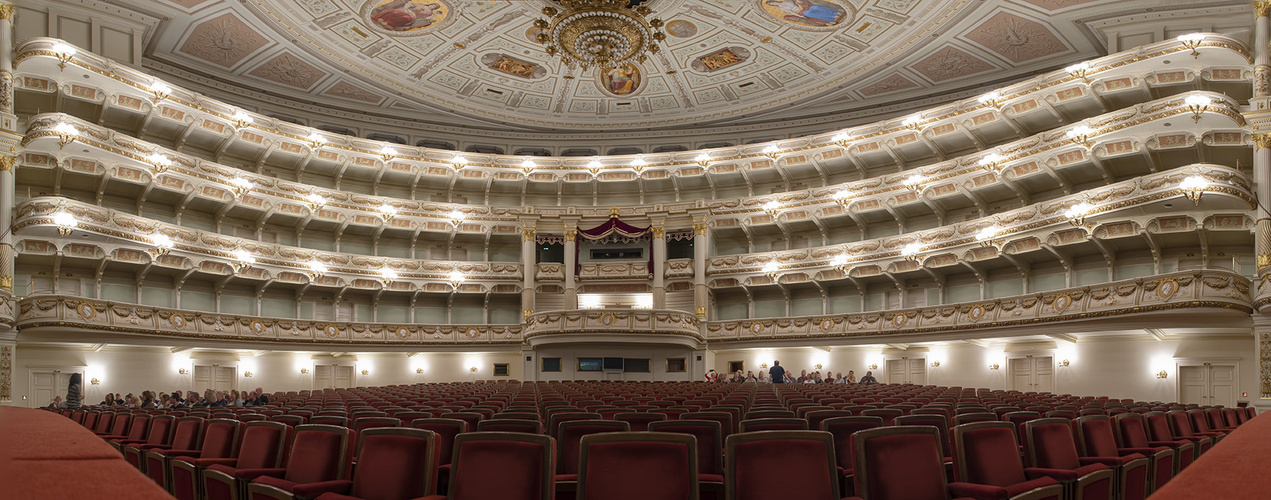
[8,121]
[659,265]
[529,267]
[571,263]
[700,298]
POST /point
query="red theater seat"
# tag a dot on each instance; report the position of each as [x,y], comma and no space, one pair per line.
[393,464]
[503,466]
[710,457]
[988,466]
[184,437]
[319,453]
[219,440]
[638,466]
[1131,432]
[1048,444]
[774,424]
[789,465]
[1095,439]
[263,445]
[901,463]
[511,425]
[842,429]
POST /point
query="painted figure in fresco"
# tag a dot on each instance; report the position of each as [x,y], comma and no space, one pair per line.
[621,80]
[406,15]
[809,12]
[720,59]
[514,67]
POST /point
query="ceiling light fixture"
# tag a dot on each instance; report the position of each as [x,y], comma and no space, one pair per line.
[772,151]
[772,270]
[599,33]
[388,276]
[160,162]
[1076,214]
[459,162]
[456,279]
[316,270]
[162,243]
[243,260]
[528,166]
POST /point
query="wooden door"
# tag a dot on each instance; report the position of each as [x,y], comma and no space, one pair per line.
[917,371]
[343,376]
[896,369]
[1222,385]
[1021,372]
[224,378]
[1043,374]
[322,377]
[47,384]
[202,378]
[1193,385]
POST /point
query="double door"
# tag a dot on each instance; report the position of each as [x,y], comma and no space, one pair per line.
[332,376]
[217,378]
[1207,384]
[49,383]
[1032,373]
[907,371]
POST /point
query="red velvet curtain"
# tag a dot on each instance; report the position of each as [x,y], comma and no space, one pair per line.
[613,225]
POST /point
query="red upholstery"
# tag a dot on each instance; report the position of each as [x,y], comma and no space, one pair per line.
[764,465]
[502,465]
[569,441]
[511,425]
[1131,432]
[185,437]
[639,421]
[393,464]
[987,456]
[319,453]
[1158,429]
[1050,450]
[775,424]
[262,445]
[710,458]
[220,436]
[1095,439]
[638,466]
[842,428]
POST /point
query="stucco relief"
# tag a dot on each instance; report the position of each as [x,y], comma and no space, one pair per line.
[346,90]
[287,69]
[893,83]
[225,41]
[949,63]
[1016,38]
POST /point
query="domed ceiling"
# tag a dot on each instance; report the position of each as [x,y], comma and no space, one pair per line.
[476,63]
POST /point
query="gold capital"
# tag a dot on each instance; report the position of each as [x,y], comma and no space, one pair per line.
[1262,140]
[6,283]
[699,228]
[529,234]
[6,12]
[1264,260]
[570,234]
[659,232]
[700,311]
[7,162]
[527,313]
[1262,8]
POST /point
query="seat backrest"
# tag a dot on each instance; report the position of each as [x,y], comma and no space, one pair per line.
[968,418]
[220,438]
[1199,421]
[903,458]
[446,429]
[363,423]
[517,415]
[466,416]
[503,465]
[638,465]
[395,462]
[336,420]
[1213,414]
[710,444]
[841,428]
[774,424]
[1068,414]
[940,422]
[1180,424]
[987,453]
[1232,417]
[161,429]
[1130,431]
[102,425]
[511,425]
[555,419]
[292,420]
[757,414]
[318,453]
[726,423]
[186,436]
[119,426]
[816,417]
[1095,437]
[1049,444]
[1158,426]
[791,465]
[569,439]
[139,428]
[639,420]
[887,414]
[264,445]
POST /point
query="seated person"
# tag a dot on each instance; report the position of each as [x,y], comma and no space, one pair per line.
[868,379]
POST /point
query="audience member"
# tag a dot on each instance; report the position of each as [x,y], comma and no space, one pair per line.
[868,379]
[777,372]
[74,392]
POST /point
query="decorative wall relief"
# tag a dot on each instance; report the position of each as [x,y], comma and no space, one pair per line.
[520,68]
[720,59]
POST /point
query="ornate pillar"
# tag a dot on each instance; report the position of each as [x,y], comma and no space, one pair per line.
[1262,222]
[8,121]
[529,267]
[1259,105]
[659,264]
[1261,57]
[571,264]
[700,298]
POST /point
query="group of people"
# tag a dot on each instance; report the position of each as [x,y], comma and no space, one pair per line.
[779,375]
[154,399]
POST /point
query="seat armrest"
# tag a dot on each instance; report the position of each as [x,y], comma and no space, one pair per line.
[1062,475]
[257,491]
[977,491]
[183,453]
[206,462]
[310,490]
[250,474]
[1146,452]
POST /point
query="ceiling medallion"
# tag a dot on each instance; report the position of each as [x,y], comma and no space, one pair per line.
[599,33]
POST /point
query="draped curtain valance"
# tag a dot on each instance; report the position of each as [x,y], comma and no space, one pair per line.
[609,227]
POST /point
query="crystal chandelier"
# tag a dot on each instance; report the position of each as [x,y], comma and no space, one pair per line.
[600,33]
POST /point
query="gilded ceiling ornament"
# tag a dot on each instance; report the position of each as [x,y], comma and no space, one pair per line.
[599,33]
[6,12]
[1262,140]
[1263,9]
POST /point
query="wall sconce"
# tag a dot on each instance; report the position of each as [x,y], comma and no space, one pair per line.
[456,218]
[986,236]
[994,366]
[1079,70]
[247,374]
[64,53]
[316,140]
[594,167]
[240,185]
[387,212]
[473,369]
[763,365]
[528,166]
[1076,214]
[419,371]
[304,370]
[458,162]
[162,244]
[914,182]
[160,91]
[316,270]
[315,201]
[241,119]
[818,366]
[1065,362]
[772,151]
[841,140]
[160,162]
[935,364]
[65,222]
[1160,374]
[773,208]
[772,270]
[387,276]
[991,98]
[1080,135]
[388,153]
[94,381]
[703,159]
[910,251]
[913,122]
[456,279]
[366,372]
[873,366]
[637,165]
[182,371]
[1193,187]
[991,161]
[1197,104]
[243,260]
[66,134]
[843,197]
[1192,41]
[840,263]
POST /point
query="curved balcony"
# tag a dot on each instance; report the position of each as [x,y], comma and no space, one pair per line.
[1183,299]
[1010,170]
[607,326]
[131,239]
[1015,231]
[78,319]
[190,118]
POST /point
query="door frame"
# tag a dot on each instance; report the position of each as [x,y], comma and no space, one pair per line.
[213,364]
[1234,363]
[922,355]
[1053,354]
[30,380]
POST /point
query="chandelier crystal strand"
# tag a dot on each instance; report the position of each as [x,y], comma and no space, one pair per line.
[599,33]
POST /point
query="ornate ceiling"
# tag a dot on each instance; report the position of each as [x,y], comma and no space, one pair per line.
[725,62]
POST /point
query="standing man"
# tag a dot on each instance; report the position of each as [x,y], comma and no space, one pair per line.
[777,373]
